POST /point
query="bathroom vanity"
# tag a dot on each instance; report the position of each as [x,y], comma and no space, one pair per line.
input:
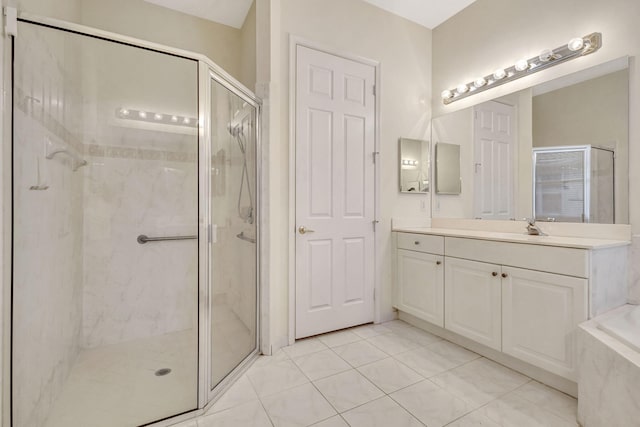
[508,294]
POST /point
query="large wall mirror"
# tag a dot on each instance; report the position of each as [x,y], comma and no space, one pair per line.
[557,151]
[414,164]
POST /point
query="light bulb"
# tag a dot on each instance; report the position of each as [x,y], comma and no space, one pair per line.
[157,116]
[446,94]
[174,119]
[522,65]
[479,82]
[546,55]
[499,74]
[575,44]
[462,88]
[142,114]
[124,112]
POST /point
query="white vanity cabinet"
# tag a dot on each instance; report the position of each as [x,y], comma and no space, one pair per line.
[472,301]
[531,315]
[420,277]
[522,299]
[540,313]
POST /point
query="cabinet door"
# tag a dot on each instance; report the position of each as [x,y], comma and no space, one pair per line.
[540,315]
[472,301]
[420,285]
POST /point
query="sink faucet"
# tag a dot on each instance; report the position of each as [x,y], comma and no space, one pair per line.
[532,228]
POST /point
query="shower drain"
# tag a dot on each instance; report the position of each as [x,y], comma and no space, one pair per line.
[162,372]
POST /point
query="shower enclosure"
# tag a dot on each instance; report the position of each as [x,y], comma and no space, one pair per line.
[135,240]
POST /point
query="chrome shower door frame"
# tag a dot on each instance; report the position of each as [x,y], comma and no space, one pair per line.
[207,70]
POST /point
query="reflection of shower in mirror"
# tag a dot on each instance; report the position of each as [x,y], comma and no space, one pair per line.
[239,127]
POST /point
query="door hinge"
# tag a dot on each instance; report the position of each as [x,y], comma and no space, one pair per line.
[11,21]
[374,90]
[375,222]
[374,155]
[374,295]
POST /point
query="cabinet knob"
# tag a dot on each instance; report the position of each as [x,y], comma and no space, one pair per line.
[494,273]
[438,262]
[416,242]
[504,275]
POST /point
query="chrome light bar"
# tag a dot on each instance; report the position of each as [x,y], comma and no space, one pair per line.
[579,46]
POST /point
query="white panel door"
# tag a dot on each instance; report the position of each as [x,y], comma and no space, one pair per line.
[421,285]
[494,149]
[540,313]
[335,141]
[473,301]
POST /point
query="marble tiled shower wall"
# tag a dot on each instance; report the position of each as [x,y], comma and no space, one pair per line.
[131,290]
[48,223]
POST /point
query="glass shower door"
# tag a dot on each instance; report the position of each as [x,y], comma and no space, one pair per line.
[104,328]
[234,289]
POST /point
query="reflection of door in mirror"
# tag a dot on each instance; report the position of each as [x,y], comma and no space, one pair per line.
[494,147]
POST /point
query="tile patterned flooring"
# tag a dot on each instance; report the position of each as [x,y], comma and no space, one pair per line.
[389,375]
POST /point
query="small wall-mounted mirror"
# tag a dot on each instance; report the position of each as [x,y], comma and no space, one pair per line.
[414,165]
[448,169]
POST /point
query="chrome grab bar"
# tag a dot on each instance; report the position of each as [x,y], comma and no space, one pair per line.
[241,236]
[142,239]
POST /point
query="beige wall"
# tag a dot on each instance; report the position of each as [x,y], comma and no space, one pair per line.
[147,21]
[247,74]
[65,10]
[403,50]
[524,29]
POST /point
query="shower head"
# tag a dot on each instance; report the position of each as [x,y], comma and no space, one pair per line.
[235,124]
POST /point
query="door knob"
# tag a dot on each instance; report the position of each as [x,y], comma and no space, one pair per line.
[303,230]
[504,275]
[438,262]
[494,273]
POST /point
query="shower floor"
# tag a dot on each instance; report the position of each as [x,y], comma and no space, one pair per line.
[116,385]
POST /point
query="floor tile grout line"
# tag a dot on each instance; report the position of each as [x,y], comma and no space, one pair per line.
[325,397]
[357,406]
[448,369]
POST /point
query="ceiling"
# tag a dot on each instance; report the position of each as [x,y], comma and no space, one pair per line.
[227,12]
[428,13]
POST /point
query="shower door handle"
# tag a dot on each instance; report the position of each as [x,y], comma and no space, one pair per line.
[142,239]
[303,230]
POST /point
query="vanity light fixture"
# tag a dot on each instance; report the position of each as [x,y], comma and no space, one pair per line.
[498,74]
[159,118]
[522,65]
[576,47]
[462,88]
[479,82]
[406,162]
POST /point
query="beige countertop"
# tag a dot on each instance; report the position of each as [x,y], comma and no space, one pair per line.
[567,242]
